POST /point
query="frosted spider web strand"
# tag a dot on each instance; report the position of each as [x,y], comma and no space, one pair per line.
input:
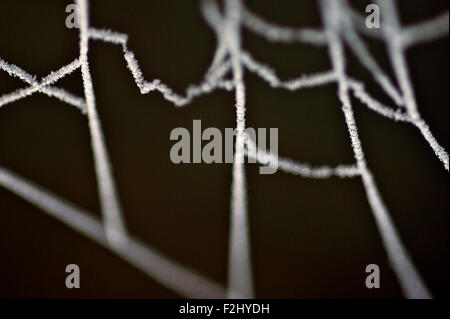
[425,31]
[359,93]
[319,79]
[62,72]
[43,86]
[428,30]
[277,33]
[409,278]
[53,77]
[362,53]
[240,278]
[392,34]
[166,272]
[14,70]
[398,40]
[388,87]
[267,74]
[284,34]
[192,91]
[157,266]
[213,18]
[212,81]
[305,170]
[427,34]
[411,35]
[109,36]
[111,211]
[417,33]
[238,228]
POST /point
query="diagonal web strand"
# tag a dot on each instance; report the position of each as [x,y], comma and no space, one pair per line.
[149,261]
[111,211]
[392,35]
[409,278]
[43,86]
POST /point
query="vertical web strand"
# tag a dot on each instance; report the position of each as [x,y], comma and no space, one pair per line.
[111,211]
[407,274]
[240,281]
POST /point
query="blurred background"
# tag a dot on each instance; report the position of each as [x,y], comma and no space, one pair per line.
[309,238]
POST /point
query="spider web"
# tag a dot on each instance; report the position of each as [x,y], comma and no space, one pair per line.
[231,58]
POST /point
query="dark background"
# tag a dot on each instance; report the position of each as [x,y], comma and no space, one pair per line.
[310,238]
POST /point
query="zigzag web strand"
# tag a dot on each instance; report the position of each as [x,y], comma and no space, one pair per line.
[392,35]
[139,256]
[240,278]
[431,29]
[425,31]
[305,170]
[285,34]
[146,87]
[212,15]
[263,71]
[402,265]
[305,81]
[319,79]
[111,211]
[43,86]
[118,38]
[213,82]
[395,115]
[154,264]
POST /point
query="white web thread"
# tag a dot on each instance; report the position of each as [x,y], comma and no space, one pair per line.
[110,206]
[43,86]
[228,33]
[393,37]
[140,255]
[240,278]
[410,280]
